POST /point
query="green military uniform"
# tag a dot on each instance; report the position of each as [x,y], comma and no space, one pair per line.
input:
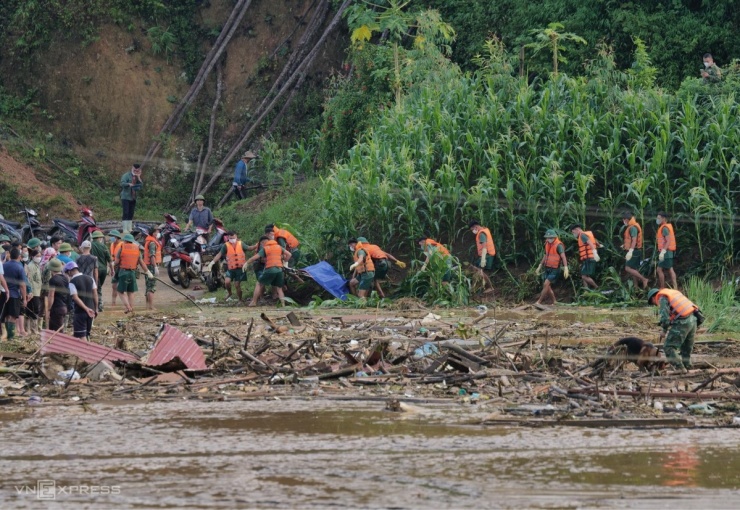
[101,252]
[553,273]
[588,266]
[667,261]
[634,262]
[237,274]
[490,259]
[367,278]
[715,74]
[381,268]
[679,336]
[151,283]
[295,255]
[272,276]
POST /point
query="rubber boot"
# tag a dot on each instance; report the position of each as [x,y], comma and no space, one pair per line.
[11,330]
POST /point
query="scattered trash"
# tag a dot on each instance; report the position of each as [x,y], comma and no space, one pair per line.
[425,350]
[176,350]
[54,342]
[702,408]
[206,301]
[68,375]
[34,400]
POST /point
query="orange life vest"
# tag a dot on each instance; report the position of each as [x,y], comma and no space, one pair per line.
[583,248]
[235,257]
[431,242]
[670,245]
[367,264]
[158,253]
[375,252]
[114,248]
[273,254]
[628,238]
[290,241]
[489,246]
[680,305]
[129,256]
[552,257]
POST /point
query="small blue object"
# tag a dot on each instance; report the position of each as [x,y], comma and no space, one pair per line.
[361,374]
[330,280]
[462,392]
[426,350]
[474,396]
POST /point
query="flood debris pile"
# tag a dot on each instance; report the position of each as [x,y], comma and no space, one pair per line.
[518,371]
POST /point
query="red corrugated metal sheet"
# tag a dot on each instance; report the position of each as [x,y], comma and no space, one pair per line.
[86,351]
[172,344]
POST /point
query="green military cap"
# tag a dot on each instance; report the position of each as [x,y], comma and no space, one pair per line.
[33,242]
[115,233]
[361,240]
[129,238]
[97,234]
[550,233]
[55,266]
[65,247]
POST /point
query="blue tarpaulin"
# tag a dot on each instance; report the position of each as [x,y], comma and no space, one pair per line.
[329,279]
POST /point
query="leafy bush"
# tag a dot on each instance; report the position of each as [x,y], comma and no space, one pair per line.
[721,309]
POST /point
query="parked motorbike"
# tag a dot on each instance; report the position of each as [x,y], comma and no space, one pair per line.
[33,227]
[189,255]
[87,226]
[65,229]
[12,229]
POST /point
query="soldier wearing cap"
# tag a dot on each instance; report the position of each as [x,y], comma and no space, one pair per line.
[200,216]
[553,259]
[241,174]
[105,262]
[116,241]
[84,292]
[678,318]
[65,253]
[152,259]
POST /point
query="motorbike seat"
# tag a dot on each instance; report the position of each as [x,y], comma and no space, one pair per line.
[13,224]
[71,224]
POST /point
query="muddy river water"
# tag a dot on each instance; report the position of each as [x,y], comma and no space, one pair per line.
[348,454]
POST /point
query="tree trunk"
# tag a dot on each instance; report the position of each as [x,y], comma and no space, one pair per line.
[211,131]
[213,56]
[301,68]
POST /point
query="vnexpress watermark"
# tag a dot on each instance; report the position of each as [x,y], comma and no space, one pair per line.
[48,490]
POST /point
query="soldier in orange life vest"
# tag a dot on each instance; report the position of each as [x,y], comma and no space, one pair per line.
[287,241]
[152,259]
[380,259]
[633,246]
[666,241]
[275,256]
[678,318]
[430,247]
[552,260]
[587,250]
[115,244]
[486,252]
[235,253]
[128,258]
[363,269]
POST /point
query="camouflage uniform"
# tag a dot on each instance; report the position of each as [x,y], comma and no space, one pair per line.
[715,74]
[679,336]
[151,283]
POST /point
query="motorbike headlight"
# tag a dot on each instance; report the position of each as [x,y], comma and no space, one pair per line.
[32,212]
[174,242]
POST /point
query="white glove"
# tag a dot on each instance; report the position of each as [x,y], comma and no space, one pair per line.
[662,255]
[596,256]
[209,267]
[354,266]
[156,270]
[245,267]
[538,271]
[629,254]
[149,274]
[566,272]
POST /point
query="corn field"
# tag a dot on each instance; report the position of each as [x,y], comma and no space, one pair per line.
[523,158]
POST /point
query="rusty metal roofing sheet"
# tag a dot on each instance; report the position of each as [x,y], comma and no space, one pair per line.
[173,343]
[53,342]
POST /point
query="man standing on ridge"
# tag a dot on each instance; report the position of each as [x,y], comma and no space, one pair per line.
[552,260]
[666,242]
[633,246]
[486,252]
[588,252]
[200,216]
[241,172]
[131,184]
